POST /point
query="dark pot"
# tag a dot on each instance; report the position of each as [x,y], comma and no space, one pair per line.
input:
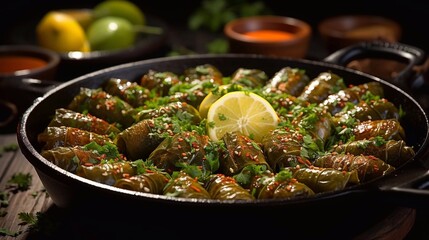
[342,213]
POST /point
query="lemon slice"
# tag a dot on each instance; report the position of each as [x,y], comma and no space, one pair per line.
[241,111]
[212,97]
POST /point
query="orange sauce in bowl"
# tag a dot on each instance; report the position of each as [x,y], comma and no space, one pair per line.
[12,63]
[269,35]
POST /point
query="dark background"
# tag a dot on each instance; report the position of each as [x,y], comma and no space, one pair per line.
[411,15]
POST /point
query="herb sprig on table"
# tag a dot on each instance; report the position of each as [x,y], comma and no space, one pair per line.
[21,182]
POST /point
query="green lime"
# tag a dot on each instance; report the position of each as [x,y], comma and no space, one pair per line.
[120,8]
[110,33]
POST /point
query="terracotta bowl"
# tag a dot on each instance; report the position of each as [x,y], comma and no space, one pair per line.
[269,35]
[22,67]
[342,31]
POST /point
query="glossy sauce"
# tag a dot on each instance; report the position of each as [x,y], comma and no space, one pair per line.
[11,63]
[269,35]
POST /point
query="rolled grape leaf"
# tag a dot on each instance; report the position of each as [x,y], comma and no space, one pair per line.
[150,182]
[336,102]
[314,120]
[374,110]
[130,92]
[184,186]
[282,148]
[159,82]
[393,152]
[325,179]
[103,105]
[388,129]
[226,188]
[251,78]
[367,167]
[139,140]
[203,73]
[240,151]
[182,149]
[69,158]
[107,172]
[69,118]
[281,185]
[63,136]
[181,110]
[325,84]
[288,80]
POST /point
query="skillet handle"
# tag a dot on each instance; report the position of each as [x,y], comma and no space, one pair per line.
[409,187]
[400,52]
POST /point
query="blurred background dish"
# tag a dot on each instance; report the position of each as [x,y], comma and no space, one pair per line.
[76,63]
[23,71]
[344,30]
[269,35]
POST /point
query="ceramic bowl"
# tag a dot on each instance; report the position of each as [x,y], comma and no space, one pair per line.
[22,67]
[269,35]
[341,31]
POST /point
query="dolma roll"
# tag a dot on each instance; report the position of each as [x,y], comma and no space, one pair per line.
[107,172]
[336,102]
[251,78]
[159,82]
[139,140]
[393,152]
[203,73]
[280,185]
[183,149]
[224,187]
[367,167]
[184,186]
[388,129]
[239,152]
[283,147]
[372,110]
[325,84]
[63,136]
[69,118]
[325,179]
[130,92]
[182,110]
[149,182]
[288,80]
[314,120]
[69,158]
[103,105]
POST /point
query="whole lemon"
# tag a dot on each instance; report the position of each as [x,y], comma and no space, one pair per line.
[62,33]
[120,8]
[110,33]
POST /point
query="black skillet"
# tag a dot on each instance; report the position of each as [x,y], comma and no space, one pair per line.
[341,213]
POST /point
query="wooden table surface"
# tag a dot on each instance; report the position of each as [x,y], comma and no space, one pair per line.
[399,224]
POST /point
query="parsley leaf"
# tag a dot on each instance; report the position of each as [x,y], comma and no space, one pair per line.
[20,181]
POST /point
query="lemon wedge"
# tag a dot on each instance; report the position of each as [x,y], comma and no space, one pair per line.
[241,111]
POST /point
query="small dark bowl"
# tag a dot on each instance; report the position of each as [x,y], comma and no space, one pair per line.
[342,31]
[295,46]
[21,68]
